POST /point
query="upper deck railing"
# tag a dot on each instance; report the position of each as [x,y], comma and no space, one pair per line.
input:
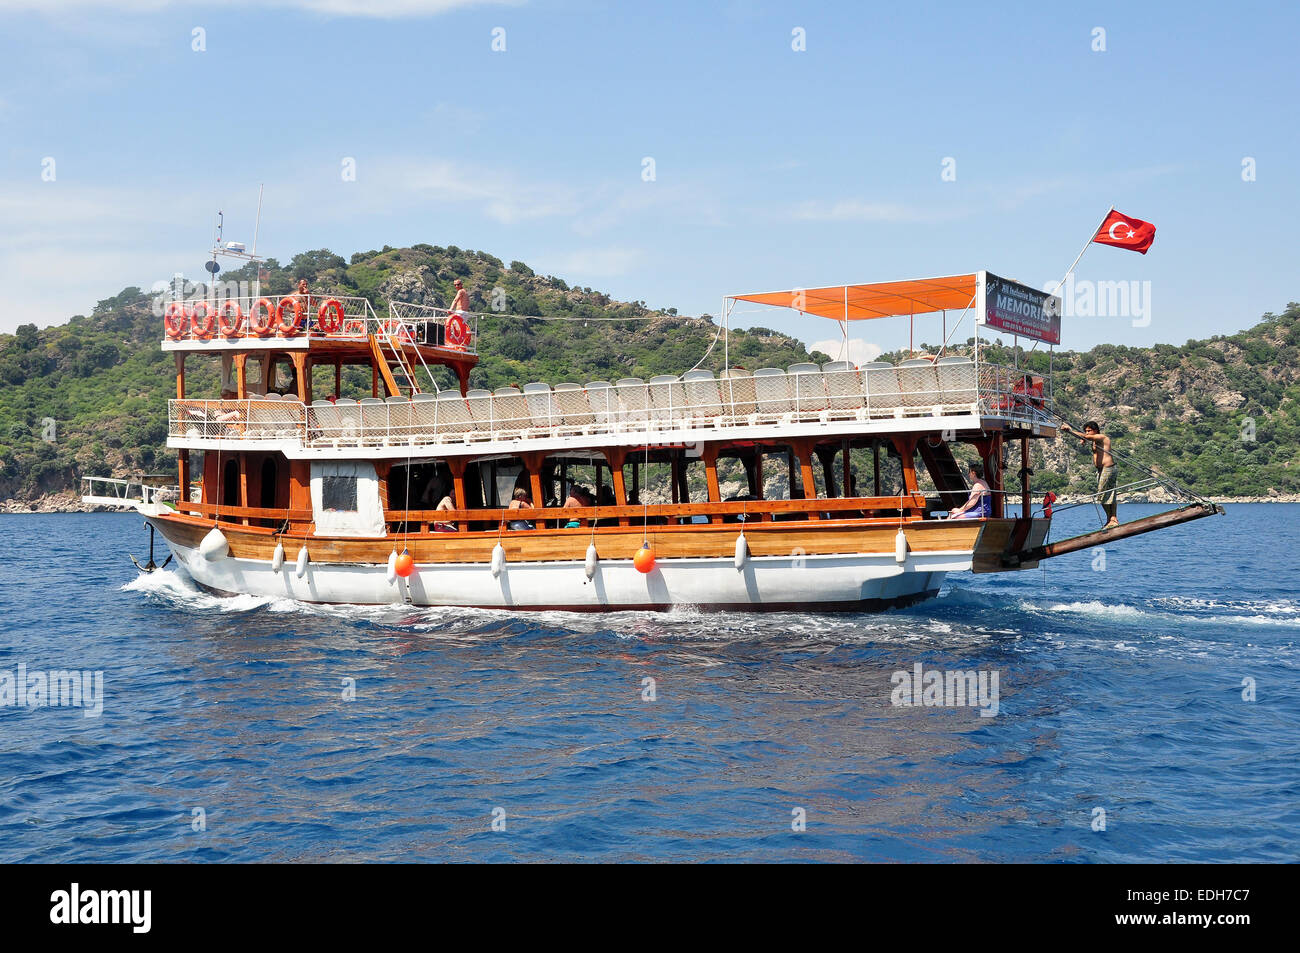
[314,317]
[838,392]
[112,491]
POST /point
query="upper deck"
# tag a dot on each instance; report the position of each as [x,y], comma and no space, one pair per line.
[838,398]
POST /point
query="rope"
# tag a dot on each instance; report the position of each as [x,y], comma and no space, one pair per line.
[1164,481]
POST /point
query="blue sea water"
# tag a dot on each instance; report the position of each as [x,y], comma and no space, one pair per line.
[1121,689]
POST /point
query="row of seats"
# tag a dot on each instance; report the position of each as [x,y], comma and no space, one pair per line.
[806,392]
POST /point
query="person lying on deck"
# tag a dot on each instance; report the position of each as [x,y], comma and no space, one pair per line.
[979,505]
[1105,464]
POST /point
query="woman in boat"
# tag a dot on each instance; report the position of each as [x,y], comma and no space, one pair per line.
[521,501]
[444,503]
[979,505]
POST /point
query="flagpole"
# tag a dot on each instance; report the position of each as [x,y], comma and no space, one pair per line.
[1091,236]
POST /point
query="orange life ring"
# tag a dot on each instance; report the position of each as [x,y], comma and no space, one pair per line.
[176,320]
[291,329]
[230,330]
[203,331]
[262,328]
[334,308]
[457,331]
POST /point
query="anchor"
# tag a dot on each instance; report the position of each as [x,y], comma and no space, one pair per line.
[150,566]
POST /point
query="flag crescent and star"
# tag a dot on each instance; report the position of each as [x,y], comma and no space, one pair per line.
[1125,231]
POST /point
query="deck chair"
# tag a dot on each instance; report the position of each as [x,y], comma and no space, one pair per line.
[571,406]
[772,393]
[738,398]
[808,390]
[541,409]
[603,401]
[703,397]
[453,415]
[880,389]
[918,384]
[957,385]
[667,399]
[510,408]
[633,402]
[845,399]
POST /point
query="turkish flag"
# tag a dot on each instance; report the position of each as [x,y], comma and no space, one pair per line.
[1125,231]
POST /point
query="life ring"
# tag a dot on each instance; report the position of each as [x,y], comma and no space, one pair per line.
[262,328]
[334,309]
[176,320]
[230,330]
[292,328]
[395,330]
[457,331]
[203,331]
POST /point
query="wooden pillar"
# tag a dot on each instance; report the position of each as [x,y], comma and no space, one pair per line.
[338,378]
[826,456]
[990,451]
[457,466]
[674,472]
[875,465]
[241,376]
[183,477]
[711,478]
[462,374]
[299,359]
[803,449]
[180,375]
[906,447]
[243,484]
[374,379]
[1024,476]
[617,457]
[847,482]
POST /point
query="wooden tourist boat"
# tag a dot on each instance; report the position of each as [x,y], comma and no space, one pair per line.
[334,500]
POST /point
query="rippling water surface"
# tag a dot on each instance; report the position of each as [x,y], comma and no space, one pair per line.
[1120,689]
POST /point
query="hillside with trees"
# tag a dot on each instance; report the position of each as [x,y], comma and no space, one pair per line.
[89,397]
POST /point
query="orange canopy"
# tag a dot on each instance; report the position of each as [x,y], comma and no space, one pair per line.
[883,299]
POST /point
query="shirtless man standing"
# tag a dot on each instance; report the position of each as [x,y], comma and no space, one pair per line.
[1105,465]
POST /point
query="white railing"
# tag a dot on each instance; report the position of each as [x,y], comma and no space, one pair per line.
[315,317]
[111,490]
[804,394]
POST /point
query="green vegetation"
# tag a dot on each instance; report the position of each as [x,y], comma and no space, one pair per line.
[1220,415]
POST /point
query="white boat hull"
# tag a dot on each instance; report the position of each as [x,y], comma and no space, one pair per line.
[858,582]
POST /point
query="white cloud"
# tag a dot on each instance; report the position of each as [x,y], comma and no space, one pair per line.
[859,351]
[590,262]
[373,9]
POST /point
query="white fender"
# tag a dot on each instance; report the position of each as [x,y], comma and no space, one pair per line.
[214,545]
[392,567]
[277,557]
[592,558]
[498,560]
[900,547]
[301,568]
[742,551]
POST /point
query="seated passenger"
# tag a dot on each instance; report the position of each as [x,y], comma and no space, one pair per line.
[979,505]
[521,501]
[578,497]
[444,503]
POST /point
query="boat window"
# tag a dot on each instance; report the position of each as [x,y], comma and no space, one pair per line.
[339,494]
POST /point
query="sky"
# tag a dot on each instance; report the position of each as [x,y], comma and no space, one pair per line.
[670,152]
